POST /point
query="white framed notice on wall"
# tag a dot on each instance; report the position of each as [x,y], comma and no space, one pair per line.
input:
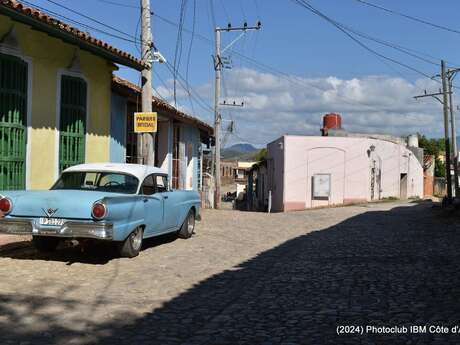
[321,184]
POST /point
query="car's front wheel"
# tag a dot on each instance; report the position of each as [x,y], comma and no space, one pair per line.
[45,244]
[188,227]
[131,247]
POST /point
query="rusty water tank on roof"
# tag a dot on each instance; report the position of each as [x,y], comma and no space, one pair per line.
[331,121]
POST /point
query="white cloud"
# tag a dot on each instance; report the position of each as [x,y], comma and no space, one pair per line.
[277,105]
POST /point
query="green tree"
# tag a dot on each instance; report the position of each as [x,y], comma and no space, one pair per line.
[260,155]
[439,168]
[433,147]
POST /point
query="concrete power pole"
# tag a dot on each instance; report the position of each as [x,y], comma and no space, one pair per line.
[218,69]
[146,141]
[218,64]
[446,101]
[454,135]
[445,95]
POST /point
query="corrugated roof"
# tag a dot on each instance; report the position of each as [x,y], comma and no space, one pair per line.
[118,82]
[44,22]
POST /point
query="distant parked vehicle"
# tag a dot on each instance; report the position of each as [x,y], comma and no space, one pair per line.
[229,196]
[123,203]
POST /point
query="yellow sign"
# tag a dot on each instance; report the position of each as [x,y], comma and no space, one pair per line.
[145,122]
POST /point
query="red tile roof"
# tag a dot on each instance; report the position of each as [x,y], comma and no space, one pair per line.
[51,25]
[121,84]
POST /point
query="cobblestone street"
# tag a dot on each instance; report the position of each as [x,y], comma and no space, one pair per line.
[246,278]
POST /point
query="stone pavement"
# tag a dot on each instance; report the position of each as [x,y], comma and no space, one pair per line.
[247,278]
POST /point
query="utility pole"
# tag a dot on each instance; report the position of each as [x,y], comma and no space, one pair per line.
[146,141]
[451,75]
[218,64]
[445,104]
[446,94]
[218,69]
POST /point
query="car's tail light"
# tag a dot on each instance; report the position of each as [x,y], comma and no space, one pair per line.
[6,205]
[99,210]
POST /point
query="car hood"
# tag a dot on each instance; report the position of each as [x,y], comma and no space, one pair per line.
[74,204]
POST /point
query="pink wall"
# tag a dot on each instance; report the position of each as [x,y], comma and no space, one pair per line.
[349,164]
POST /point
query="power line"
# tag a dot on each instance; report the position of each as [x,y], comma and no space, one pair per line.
[394,46]
[190,49]
[200,101]
[77,23]
[162,82]
[225,10]
[178,49]
[212,14]
[189,89]
[265,67]
[400,14]
[283,75]
[90,18]
[118,4]
[306,5]
[256,5]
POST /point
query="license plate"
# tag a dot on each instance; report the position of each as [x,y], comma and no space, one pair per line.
[51,221]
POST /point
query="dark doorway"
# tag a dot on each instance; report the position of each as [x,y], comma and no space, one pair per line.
[403,187]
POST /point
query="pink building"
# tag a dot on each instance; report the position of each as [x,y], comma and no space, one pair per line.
[308,171]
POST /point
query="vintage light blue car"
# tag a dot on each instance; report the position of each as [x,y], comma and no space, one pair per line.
[124,203]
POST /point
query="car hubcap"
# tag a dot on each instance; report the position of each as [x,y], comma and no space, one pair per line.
[136,239]
[191,224]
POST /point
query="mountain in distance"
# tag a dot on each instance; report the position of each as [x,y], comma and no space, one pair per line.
[242,148]
[240,151]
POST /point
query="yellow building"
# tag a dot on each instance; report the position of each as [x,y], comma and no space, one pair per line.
[55,96]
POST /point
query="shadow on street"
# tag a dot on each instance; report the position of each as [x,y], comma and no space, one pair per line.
[382,268]
[94,253]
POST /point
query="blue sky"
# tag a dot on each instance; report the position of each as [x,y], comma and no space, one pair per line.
[311,51]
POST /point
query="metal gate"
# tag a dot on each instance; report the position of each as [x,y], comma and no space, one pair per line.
[72,122]
[13,110]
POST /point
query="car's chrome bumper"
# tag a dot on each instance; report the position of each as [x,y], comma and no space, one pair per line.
[70,229]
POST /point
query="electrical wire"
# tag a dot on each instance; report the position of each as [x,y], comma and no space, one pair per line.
[306,5]
[76,22]
[90,18]
[212,15]
[178,49]
[242,11]
[225,11]
[134,40]
[189,89]
[163,84]
[251,60]
[190,50]
[256,5]
[400,14]
[394,46]
[119,4]
[299,82]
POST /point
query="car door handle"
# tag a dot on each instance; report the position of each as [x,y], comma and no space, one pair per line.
[165,197]
[146,200]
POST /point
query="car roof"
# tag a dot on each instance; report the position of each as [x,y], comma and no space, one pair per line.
[138,170]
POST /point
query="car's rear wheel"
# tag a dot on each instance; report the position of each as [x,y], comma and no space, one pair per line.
[45,244]
[188,227]
[132,245]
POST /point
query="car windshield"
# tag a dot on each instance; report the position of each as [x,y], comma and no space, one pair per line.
[98,181]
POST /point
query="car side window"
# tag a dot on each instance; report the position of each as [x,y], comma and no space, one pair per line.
[148,186]
[161,183]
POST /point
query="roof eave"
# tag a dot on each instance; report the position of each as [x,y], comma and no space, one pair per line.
[133,96]
[68,37]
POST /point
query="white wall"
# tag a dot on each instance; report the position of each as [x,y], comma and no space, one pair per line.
[275,172]
[349,161]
